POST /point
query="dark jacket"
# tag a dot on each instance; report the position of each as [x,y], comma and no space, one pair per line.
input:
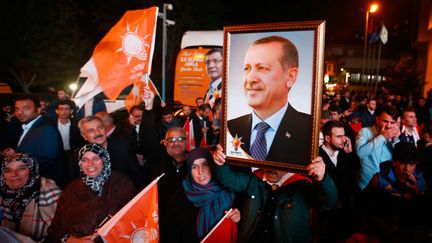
[80,210]
[293,208]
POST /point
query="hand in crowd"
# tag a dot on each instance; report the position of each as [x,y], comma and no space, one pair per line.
[148,98]
[316,169]
[219,156]
[411,182]
[348,145]
[391,133]
[163,104]
[234,215]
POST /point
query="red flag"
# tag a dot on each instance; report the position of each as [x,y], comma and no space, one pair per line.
[224,231]
[125,53]
[138,221]
[190,137]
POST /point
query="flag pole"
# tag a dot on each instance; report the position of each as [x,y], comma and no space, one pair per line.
[378,68]
[76,84]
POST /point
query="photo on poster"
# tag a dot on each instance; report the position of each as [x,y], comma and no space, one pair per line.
[272,93]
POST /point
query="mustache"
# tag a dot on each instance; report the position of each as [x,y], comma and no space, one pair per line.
[98,136]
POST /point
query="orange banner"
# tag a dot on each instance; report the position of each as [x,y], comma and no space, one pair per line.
[138,221]
[126,52]
[191,78]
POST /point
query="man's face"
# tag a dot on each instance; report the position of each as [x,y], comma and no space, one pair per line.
[385,121]
[205,113]
[337,138]
[402,170]
[199,102]
[266,80]
[61,95]
[187,110]
[176,148]
[25,111]
[137,116]
[63,111]
[409,119]
[94,132]
[273,176]
[371,105]
[214,64]
[167,118]
[336,116]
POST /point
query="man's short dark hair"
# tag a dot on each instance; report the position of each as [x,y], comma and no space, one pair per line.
[28,97]
[290,53]
[335,107]
[390,110]
[166,111]
[135,107]
[198,98]
[65,102]
[204,106]
[405,152]
[215,50]
[369,100]
[328,126]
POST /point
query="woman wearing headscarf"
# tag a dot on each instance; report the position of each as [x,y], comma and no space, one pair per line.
[28,201]
[198,205]
[88,200]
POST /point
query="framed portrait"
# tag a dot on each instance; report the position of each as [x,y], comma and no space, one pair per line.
[272,87]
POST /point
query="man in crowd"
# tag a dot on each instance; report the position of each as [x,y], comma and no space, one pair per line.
[40,140]
[168,157]
[374,145]
[122,156]
[67,126]
[202,126]
[341,165]
[368,115]
[410,132]
[274,131]
[214,64]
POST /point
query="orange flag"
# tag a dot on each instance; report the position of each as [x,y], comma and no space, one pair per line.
[224,231]
[135,95]
[125,53]
[138,221]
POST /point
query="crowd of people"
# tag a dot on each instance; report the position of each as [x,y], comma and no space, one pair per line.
[64,170]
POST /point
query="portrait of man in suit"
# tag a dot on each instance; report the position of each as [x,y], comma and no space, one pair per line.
[274,130]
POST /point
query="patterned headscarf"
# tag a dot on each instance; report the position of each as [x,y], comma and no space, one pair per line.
[17,199]
[96,183]
[211,199]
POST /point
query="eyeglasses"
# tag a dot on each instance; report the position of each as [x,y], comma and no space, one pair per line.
[215,61]
[173,140]
[93,160]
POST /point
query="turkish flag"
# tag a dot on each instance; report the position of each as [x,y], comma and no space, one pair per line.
[138,221]
[190,137]
[125,54]
[224,231]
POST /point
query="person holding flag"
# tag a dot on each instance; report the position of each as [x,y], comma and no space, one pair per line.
[198,204]
[86,202]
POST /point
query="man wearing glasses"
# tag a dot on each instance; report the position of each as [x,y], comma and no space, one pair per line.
[214,65]
[167,156]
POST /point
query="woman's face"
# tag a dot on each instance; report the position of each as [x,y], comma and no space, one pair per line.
[201,172]
[91,164]
[16,174]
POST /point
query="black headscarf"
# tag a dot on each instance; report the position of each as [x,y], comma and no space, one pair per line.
[96,183]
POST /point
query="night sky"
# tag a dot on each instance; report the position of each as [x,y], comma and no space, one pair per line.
[49,41]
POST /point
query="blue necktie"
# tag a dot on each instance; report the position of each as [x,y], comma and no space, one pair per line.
[259,147]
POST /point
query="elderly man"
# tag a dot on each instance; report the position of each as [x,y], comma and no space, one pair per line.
[168,157]
[274,131]
[122,155]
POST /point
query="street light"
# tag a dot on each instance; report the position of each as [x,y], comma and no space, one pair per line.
[166,22]
[372,9]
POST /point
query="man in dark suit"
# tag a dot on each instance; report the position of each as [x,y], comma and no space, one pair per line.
[270,70]
[40,140]
[341,165]
[67,126]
